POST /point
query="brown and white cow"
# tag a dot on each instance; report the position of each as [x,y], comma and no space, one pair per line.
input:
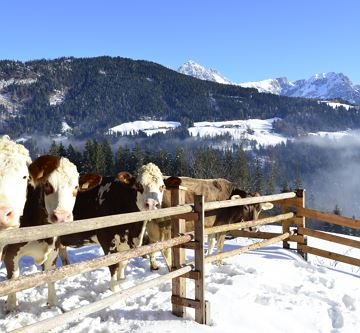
[50,199]
[111,196]
[14,174]
[213,190]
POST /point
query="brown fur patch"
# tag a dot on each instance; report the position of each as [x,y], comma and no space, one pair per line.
[172,182]
[89,181]
[126,178]
[42,167]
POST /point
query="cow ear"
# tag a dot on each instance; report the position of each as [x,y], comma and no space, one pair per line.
[126,178]
[267,206]
[89,181]
[42,167]
[172,182]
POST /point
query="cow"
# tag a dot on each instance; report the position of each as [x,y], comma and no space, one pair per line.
[50,199]
[212,190]
[14,174]
[110,196]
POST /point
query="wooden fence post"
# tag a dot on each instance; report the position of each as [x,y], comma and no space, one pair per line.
[178,254]
[201,313]
[286,226]
[300,221]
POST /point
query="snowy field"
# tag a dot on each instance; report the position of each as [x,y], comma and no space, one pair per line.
[265,290]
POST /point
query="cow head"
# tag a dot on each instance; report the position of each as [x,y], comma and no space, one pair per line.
[250,212]
[149,185]
[59,179]
[14,174]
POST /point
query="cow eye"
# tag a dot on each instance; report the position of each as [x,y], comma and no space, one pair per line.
[48,189]
[25,177]
[139,188]
[75,192]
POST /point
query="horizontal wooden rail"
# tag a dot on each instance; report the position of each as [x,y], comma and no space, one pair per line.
[328,217]
[263,235]
[37,279]
[60,320]
[247,201]
[183,301]
[329,237]
[247,224]
[246,248]
[65,228]
[330,255]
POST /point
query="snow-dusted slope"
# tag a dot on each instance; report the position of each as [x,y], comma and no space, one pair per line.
[251,129]
[192,68]
[267,290]
[150,127]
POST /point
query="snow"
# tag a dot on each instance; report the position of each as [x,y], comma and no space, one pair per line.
[57,97]
[259,130]
[332,135]
[265,290]
[150,127]
[192,68]
[65,127]
[336,105]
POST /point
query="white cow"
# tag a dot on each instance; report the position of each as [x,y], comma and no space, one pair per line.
[14,174]
[50,199]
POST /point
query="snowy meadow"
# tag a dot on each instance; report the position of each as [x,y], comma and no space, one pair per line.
[270,289]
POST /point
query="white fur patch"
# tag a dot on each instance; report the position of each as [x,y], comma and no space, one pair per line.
[103,189]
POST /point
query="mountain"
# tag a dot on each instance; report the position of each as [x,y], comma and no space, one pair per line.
[326,86]
[193,69]
[87,96]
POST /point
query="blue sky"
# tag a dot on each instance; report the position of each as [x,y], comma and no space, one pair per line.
[245,40]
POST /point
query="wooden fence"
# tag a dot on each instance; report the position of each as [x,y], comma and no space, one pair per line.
[292,216]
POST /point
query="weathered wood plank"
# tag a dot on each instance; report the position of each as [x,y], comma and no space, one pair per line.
[331,255]
[247,224]
[247,201]
[37,279]
[330,237]
[58,321]
[247,248]
[200,260]
[330,218]
[66,228]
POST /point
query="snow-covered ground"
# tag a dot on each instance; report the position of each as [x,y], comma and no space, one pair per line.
[259,130]
[150,127]
[265,290]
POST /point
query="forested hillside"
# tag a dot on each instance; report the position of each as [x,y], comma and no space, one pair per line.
[94,94]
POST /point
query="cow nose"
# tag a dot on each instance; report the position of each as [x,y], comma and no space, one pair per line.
[6,215]
[57,217]
[151,204]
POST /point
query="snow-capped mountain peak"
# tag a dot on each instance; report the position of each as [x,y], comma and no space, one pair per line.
[327,86]
[192,68]
[272,86]
[320,86]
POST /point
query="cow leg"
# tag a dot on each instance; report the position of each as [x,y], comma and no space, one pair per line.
[12,268]
[220,237]
[63,255]
[153,262]
[211,244]
[50,263]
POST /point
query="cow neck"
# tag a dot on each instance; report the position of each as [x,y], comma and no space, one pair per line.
[34,209]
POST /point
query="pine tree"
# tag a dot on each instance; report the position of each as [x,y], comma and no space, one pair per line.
[108,156]
[54,149]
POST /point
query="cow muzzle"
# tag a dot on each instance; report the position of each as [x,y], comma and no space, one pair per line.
[61,216]
[7,217]
[151,204]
